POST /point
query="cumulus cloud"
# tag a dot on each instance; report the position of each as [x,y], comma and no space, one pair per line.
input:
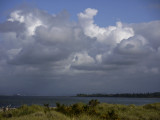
[108,35]
[82,59]
[150,31]
[29,19]
[38,50]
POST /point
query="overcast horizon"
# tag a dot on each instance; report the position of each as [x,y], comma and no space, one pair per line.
[58,48]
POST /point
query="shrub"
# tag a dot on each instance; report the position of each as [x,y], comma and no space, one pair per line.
[93,103]
[79,108]
[154,106]
[113,115]
[21,111]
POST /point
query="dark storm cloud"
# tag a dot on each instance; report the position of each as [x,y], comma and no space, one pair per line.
[12,27]
[95,67]
[39,50]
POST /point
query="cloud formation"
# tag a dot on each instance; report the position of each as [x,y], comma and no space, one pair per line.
[44,54]
[111,34]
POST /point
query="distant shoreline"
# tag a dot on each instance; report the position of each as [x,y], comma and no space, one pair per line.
[126,95]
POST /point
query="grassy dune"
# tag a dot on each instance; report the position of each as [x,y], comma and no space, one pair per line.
[80,111]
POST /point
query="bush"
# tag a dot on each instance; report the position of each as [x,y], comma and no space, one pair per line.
[154,106]
[93,103]
[21,111]
[77,108]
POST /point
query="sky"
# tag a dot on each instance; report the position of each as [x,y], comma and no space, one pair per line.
[59,47]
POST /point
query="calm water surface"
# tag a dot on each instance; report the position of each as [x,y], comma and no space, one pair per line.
[16,101]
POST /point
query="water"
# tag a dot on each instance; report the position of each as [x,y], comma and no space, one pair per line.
[16,101]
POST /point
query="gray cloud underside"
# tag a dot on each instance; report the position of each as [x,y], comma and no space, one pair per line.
[44,54]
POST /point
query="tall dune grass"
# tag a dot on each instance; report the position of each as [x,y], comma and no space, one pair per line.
[80,111]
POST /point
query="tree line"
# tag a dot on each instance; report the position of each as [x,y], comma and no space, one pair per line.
[133,95]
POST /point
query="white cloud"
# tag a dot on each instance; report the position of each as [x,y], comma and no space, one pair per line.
[13,52]
[99,58]
[82,59]
[15,16]
[31,21]
[108,35]
[150,31]
[135,45]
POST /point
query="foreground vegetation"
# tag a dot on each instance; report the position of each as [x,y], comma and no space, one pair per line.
[80,111]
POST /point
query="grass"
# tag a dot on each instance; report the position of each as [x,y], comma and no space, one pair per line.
[80,111]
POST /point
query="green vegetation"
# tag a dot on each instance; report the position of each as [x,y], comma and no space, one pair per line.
[94,110]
